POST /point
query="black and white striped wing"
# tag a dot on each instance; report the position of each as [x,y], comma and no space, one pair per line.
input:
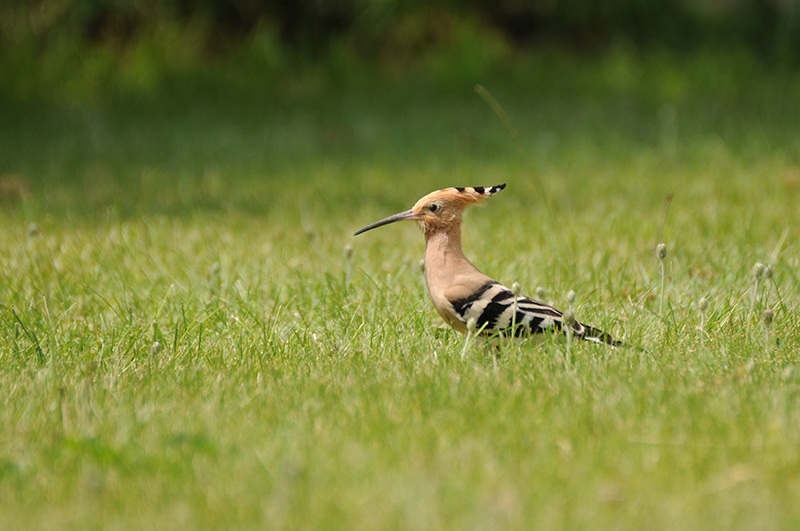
[492,306]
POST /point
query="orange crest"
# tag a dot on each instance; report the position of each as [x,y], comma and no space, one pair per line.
[455,196]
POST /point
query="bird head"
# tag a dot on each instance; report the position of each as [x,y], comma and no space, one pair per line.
[440,210]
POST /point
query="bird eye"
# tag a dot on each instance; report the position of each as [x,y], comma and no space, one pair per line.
[434,207]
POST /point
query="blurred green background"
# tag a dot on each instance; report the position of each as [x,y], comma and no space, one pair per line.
[81,51]
[157,105]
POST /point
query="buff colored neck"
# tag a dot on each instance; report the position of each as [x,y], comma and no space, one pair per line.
[444,260]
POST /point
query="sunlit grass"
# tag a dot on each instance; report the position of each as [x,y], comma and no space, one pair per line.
[185,340]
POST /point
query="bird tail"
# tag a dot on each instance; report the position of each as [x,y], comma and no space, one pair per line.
[598,336]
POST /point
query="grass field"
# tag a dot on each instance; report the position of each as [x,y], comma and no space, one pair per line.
[185,344]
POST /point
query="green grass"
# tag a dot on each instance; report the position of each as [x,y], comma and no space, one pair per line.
[285,394]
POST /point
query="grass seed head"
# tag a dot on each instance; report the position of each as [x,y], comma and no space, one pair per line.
[348,251]
[571,296]
[758,271]
[703,304]
[472,324]
[768,317]
[569,318]
[516,288]
[661,251]
[541,293]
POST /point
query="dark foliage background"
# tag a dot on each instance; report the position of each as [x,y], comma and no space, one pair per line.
[92,50]
[768,26]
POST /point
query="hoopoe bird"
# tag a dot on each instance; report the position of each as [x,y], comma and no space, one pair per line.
[459,291]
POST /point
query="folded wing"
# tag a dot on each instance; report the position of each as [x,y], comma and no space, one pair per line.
[492,306]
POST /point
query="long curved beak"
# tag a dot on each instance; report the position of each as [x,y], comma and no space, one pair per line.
[402,216]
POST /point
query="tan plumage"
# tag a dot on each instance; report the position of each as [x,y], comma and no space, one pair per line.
[459,291]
